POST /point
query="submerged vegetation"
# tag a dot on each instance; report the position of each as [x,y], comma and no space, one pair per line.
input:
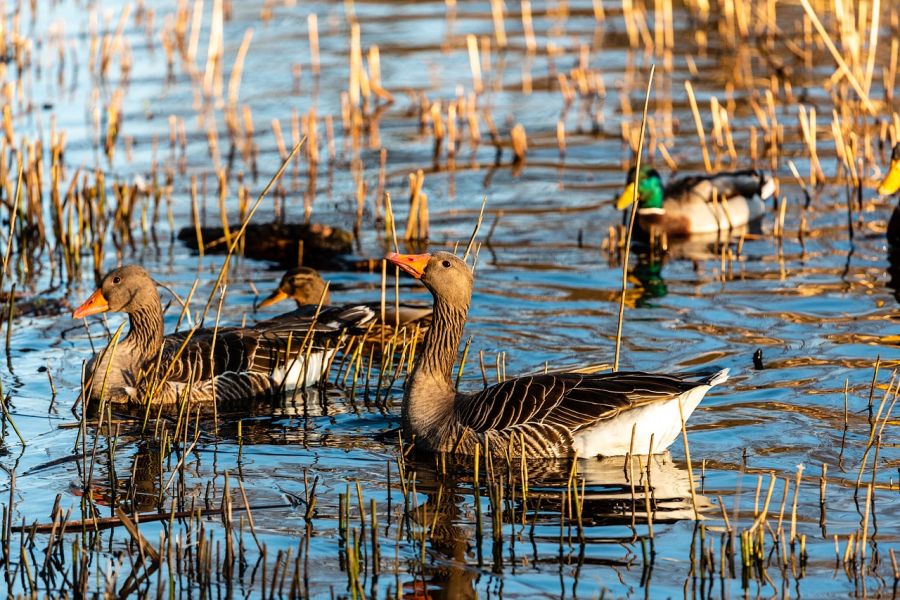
[218,143]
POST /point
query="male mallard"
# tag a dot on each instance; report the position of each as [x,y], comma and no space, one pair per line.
[698,203]
[889,185]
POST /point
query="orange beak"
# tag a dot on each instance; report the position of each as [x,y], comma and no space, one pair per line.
[94,305]
[414,264]
[274,298]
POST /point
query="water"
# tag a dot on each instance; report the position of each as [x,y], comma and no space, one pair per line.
[819,306]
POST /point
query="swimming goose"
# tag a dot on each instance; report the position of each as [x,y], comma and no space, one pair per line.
[555,415]
[232,363]
[686,206]
[890,185]
[307,287]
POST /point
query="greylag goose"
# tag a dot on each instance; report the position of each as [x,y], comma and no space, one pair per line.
[890,185]
[307,287]
[697,204]
[228,364]
[555,415]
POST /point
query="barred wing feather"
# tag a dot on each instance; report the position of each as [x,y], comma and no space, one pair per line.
[569,401]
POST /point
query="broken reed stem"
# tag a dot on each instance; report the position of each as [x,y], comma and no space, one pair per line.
[687,455]
[634,205]
[475,231]
[240,234]
[835,53]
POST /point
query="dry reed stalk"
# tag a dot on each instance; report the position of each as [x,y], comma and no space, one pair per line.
[312,25]
[634,205]
[213,71]
[279,138]
[498,18]
[240,234]
[353,89]
[561,138]
[890,75]
[698,122]
[417,220]
[797,482]
[234,82]
[519,142]
[528,26]
[762,515]
[474,63]
[687,455]
[842,64]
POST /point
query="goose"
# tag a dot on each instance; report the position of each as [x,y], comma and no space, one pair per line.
[890,185]
[699,203]
[552,415]
[307,288]
[228,364]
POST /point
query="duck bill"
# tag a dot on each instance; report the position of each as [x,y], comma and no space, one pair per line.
[891,182]
[94,305]
[414,264]
[273,298]
[626,198]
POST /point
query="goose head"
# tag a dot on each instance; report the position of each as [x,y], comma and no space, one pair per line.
[447,277]
[128,289]
[303,284]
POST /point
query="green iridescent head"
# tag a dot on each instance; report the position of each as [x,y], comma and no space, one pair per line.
[649,189]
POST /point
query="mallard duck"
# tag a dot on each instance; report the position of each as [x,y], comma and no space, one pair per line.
[553,415]
[318,245]
[687,205]
[228,364]
[889,185]
[307,287]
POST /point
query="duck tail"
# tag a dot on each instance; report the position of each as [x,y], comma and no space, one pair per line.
[767,187]
[717,378]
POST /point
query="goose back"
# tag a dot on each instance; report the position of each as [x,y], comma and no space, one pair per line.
[556,415]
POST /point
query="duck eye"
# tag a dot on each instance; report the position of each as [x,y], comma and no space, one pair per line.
[446,264]
[117,279]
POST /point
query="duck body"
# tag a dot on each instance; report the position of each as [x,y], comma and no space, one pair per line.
[229,364]
[699,204]
[307,288]
[316,244]
[548,416]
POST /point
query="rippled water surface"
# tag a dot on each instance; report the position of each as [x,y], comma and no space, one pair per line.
[815,302]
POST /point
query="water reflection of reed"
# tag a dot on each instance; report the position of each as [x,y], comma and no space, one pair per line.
[618,501]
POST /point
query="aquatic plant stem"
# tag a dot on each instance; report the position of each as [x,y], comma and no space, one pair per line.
[235,240]
[634,206]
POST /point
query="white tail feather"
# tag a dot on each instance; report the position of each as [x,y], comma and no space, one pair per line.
[768,188]
[720,377]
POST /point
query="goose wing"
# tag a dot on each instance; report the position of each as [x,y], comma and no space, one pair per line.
[569,401]
[747,183]
[408,313]
[261,349]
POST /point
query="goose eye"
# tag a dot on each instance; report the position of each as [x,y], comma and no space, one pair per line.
[117,279]
[446,264]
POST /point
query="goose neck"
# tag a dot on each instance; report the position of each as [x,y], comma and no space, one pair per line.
[146,330]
